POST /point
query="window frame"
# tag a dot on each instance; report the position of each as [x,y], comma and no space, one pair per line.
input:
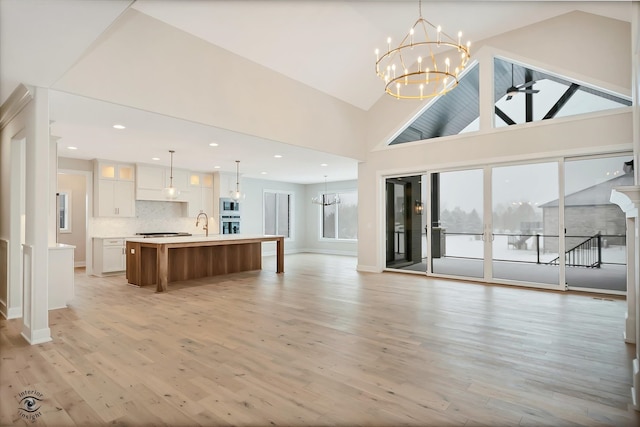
[291,195]
[337,221]
[64,204]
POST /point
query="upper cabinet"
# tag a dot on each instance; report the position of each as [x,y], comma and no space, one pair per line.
[200,194]
[115,171]
[152,180]
[195,188]
[114,189]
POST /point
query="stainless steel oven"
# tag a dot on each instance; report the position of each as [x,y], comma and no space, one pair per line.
[230,224]
[229,216]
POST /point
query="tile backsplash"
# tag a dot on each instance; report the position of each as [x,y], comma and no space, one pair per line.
[150,217]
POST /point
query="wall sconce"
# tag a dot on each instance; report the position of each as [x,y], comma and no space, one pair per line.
[419,207]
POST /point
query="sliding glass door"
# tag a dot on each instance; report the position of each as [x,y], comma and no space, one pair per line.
[595,240]
[548,224]
[457,237]
[524,223]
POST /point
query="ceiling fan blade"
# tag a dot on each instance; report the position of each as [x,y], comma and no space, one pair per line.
[509,97]
[525,85]
[529,91]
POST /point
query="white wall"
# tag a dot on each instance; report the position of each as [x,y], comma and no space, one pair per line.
[152,66]
[76,185]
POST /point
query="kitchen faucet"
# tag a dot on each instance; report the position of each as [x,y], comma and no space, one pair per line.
[205,227]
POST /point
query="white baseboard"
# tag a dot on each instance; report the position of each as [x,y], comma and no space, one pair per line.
[38,336]
[79,264]
[368,269]
[329,252]
[10,313]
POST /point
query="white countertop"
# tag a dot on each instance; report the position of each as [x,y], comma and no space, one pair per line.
[62,246]
[197,238]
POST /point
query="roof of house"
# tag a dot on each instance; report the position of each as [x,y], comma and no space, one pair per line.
[596,195]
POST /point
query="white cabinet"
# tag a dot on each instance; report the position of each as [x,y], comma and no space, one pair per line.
[152,180]
[149,182]
[114,189]
[61,275]
[200,195]
[109,255]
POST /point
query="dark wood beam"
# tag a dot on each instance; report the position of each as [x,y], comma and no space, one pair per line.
[528,97]
[566,96]
[504,117]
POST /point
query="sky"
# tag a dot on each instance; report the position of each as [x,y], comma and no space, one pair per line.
[535,183]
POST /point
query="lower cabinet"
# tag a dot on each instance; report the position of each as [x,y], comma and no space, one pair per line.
[109,255]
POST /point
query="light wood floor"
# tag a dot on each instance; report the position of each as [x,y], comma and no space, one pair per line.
[323,345]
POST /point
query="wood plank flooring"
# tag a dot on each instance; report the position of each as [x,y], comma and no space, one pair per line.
[322,345]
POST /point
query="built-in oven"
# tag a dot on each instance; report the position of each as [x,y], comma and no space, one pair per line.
[229,206]
[229,216]
[229,224]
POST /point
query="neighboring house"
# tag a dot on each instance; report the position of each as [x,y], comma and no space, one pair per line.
[588,212]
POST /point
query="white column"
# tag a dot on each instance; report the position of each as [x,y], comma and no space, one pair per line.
[485,91]
[36,260]
[631,330]
[628,198]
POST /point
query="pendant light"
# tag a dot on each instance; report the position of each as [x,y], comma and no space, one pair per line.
[324,200]
[171,192]
[237,195]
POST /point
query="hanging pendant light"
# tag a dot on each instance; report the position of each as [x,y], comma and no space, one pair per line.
[171,192]
[324,200]
[237,195]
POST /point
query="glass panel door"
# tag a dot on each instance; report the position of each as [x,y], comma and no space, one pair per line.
[404,228]
[525,223]
[595,240]
[457,246]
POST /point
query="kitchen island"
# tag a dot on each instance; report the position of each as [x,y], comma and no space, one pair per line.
[158,261]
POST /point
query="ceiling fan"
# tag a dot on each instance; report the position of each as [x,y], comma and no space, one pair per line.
[523,88]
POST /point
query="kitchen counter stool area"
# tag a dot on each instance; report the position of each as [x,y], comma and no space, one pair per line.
[159,261]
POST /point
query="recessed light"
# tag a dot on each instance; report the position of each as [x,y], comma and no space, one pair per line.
[216,167]
[213,144]
[263,173]
[155,158]
[278,156]
[119,127]
[323,164]
[72,148]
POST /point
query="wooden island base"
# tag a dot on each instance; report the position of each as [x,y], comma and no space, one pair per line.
[160,261]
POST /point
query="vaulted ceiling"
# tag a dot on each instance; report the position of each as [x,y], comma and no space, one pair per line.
[326,45]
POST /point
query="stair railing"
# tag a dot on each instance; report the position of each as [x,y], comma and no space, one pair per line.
[585,254]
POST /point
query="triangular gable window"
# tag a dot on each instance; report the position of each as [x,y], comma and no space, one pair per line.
[450,114]
[523,94]
[549,96]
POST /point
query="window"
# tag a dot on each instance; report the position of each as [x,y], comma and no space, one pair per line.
[340,221]
[278,213]
[64,211]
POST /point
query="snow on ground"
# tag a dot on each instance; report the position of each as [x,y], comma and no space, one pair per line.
[469,247]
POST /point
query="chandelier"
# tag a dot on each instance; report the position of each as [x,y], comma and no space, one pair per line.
[171,192]
[414,69]
[325,200]
[236,194]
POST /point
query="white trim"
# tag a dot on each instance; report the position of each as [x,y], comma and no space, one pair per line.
[368,269]
[18,99]
[596,291]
